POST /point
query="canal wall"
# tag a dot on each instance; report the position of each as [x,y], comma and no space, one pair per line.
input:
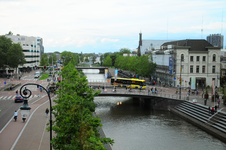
[216,133]
[159,103]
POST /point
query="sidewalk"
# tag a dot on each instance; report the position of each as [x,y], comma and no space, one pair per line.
[12,132]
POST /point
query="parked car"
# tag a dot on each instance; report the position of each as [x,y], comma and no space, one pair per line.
[19,98]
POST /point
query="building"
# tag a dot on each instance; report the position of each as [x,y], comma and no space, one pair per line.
[217,40]
[32,48]
[190,58]
[146,46]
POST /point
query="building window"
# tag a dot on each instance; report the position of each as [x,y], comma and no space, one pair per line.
[182,57]
[197,58]
[203,69]
[214,57]
[197,69]
[213,79]
[204,58]
[213,69]
[191,69]
[191,58]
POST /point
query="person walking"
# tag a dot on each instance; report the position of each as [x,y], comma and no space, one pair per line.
[15,115]
[40,88]
[17,93]
[209,110]
[47,112]
[218,102]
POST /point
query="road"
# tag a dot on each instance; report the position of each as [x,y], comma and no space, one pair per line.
[7,104]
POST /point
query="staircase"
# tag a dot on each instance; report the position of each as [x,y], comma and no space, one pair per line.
[201,113]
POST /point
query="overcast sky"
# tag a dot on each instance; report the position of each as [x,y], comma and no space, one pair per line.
[99,26]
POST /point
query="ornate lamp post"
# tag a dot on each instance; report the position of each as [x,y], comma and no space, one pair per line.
[25,108]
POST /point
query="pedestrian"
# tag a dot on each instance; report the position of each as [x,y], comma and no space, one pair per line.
[17,93]
[103,88]
[15,115]
[212,110]
[209,110]
[148,91]
[197,92]
[205,101]
[155,90]
[40,88]
[47,112]
[140,88]
[202,94]
[218,102]
[215,108]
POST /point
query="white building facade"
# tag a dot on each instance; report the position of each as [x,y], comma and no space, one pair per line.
[32,48]
[191,58]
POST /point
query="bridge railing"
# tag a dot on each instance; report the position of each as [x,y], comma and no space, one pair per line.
[140,92]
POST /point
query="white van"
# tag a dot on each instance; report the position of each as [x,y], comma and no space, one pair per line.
[37,74]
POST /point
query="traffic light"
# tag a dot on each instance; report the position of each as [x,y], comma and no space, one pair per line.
[44,67]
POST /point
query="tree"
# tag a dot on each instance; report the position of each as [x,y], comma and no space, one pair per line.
[56,52]
[74,125]
[81,57]
[101,59]
[5,44]
[15,56]
[87,59]
[10,33]
[93,59]
[52,59]
[108,61]
[124,51]
[44,61]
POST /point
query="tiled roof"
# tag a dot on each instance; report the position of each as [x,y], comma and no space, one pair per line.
[195,45]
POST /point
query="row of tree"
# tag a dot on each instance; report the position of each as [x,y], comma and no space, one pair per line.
[11,54]
[142,65]
[74,124]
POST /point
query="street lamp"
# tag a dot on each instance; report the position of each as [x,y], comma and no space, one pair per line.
[182,59]
[25,108]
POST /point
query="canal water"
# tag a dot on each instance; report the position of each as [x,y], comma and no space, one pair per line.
[133,127]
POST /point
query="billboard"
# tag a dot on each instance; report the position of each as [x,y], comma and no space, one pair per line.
[171,65]
[193,83]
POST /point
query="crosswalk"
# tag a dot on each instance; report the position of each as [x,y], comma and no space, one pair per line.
[11,97]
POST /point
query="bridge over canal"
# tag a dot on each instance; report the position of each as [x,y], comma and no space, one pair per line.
[101,69]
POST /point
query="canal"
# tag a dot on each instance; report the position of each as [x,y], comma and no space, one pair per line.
[133,127]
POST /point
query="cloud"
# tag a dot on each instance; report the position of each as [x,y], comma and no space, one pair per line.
[109,40]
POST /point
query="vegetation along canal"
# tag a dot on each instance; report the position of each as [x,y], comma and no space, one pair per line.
[133,127]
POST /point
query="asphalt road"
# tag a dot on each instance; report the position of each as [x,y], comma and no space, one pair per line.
[7,111]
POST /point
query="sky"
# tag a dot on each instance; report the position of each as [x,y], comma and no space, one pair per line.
[100,26]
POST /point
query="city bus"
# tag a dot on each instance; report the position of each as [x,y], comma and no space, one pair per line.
[127,82]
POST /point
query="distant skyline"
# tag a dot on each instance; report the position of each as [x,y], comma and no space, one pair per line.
[99,26]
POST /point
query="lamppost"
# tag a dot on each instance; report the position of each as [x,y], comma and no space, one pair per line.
[25,108]
[182,59]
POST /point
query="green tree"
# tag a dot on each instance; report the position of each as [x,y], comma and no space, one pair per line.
[108,61]
[81,57]
[101,59]
[5,44]
[125,51]
[94,59]
[44,61]
[86,59]
[52,59]
[15,56]
[74,125]
[10,33]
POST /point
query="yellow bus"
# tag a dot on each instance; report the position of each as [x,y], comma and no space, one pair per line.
[127,82]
